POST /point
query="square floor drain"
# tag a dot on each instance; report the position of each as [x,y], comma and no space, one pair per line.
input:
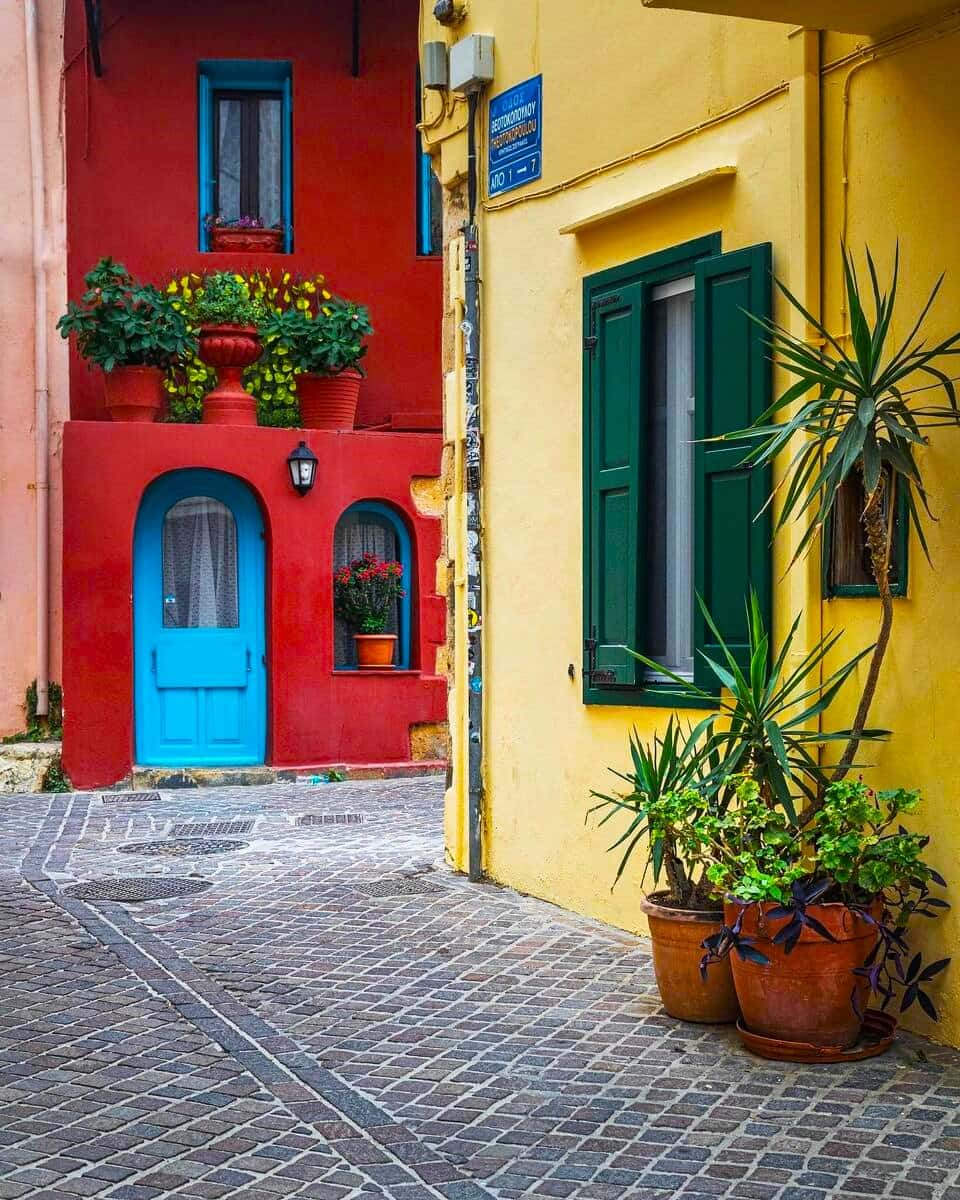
[128,797]
[330,819]
[212,829]
[403,885]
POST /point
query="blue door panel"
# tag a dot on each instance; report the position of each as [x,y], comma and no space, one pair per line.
[200,693]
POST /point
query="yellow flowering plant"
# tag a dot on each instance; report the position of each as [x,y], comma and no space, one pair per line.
[272,378]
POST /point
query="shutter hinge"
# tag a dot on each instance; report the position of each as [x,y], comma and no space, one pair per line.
[591,674]
[590,343]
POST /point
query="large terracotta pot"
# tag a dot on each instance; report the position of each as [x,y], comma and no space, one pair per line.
[133,393]
[804,996]
[230,349]
[677,935]
[375,650]
[329,401]
[262,241]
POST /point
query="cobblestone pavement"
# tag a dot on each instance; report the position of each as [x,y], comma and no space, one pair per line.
[338,1016]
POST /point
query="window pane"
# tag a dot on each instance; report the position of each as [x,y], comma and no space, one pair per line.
[670,432]
[271,161]
[849,561]
[200,566]
[357,534]
[229,122]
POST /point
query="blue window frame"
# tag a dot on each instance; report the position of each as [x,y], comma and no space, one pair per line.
[429,195]
[234,81]
[372,525]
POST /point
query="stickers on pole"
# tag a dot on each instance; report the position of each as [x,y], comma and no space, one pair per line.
[515,137]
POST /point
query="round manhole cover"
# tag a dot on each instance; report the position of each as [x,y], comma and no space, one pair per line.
[133,890]
[182,847]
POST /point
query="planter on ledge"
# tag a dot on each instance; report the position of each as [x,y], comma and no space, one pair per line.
[329,401]
[677,935]
[260,241]
[133,393]
[375,650]
[230,349]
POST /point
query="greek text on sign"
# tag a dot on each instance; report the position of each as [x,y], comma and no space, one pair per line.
[515,140]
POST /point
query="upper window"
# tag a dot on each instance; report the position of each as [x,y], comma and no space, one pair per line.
[671,363]
[372,528]
[429,194]
[846,557]
[200,589]
[246,145]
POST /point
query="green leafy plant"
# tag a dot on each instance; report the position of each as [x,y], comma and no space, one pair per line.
[38,728]
[365,590]
[327,339]
[868,413]
[121,323]
[272,378]
[225,298]
[55,778]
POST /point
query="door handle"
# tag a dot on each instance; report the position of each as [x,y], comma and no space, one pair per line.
[249,666]
[153,660]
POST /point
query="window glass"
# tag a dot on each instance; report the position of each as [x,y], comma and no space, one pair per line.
[200,566]
[668,559]
[249,170]
[360,533]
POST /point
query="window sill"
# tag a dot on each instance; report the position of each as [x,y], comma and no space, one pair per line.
[647,697]
[356,673]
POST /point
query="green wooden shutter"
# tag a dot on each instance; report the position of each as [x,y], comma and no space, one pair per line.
[613,434]
[733,376]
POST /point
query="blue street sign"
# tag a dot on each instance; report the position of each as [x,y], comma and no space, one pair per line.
[515,139]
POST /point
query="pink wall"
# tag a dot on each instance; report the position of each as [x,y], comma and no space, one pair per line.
[316,715]
[132,166]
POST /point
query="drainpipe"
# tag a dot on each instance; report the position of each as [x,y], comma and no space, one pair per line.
[471,352]
[40,366]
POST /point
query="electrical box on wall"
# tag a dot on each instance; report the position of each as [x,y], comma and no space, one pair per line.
[435,72]
[471,63]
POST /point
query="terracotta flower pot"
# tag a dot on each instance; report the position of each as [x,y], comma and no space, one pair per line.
[804,996]
[677,935]
[375,650]
[133,393]
[230,349]
[329,401]
[262,241]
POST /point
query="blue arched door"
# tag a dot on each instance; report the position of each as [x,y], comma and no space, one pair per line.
[199,627]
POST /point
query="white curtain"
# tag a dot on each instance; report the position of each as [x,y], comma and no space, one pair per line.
[358,534]
[270,182]
[200,566]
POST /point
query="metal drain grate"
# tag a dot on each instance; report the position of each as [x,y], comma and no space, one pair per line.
[331,819]
[134,890]
[181,847]
[403,885]
[212,829]
[128,797]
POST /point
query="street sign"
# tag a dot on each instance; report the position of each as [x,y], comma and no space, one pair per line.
[515,138]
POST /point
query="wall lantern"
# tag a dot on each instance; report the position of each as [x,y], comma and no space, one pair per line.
[302,463]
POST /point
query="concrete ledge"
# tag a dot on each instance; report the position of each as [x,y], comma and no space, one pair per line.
[24,764]
[169,779]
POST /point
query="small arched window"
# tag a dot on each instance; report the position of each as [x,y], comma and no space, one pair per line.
[371,527]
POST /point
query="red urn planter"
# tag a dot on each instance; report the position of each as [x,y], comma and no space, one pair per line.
[230,349]
[329,401]
[677,935]
[804,996]
[262,241]
[133,393]
[375,650]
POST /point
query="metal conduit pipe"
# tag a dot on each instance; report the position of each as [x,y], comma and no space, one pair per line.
[40,364]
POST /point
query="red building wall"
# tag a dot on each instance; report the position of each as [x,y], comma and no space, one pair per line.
[131,144]
[316,715]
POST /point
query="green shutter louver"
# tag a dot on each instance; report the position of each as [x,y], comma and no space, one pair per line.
[613,436]
[733,380]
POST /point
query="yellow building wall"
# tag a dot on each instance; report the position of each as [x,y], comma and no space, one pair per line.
[636,102]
